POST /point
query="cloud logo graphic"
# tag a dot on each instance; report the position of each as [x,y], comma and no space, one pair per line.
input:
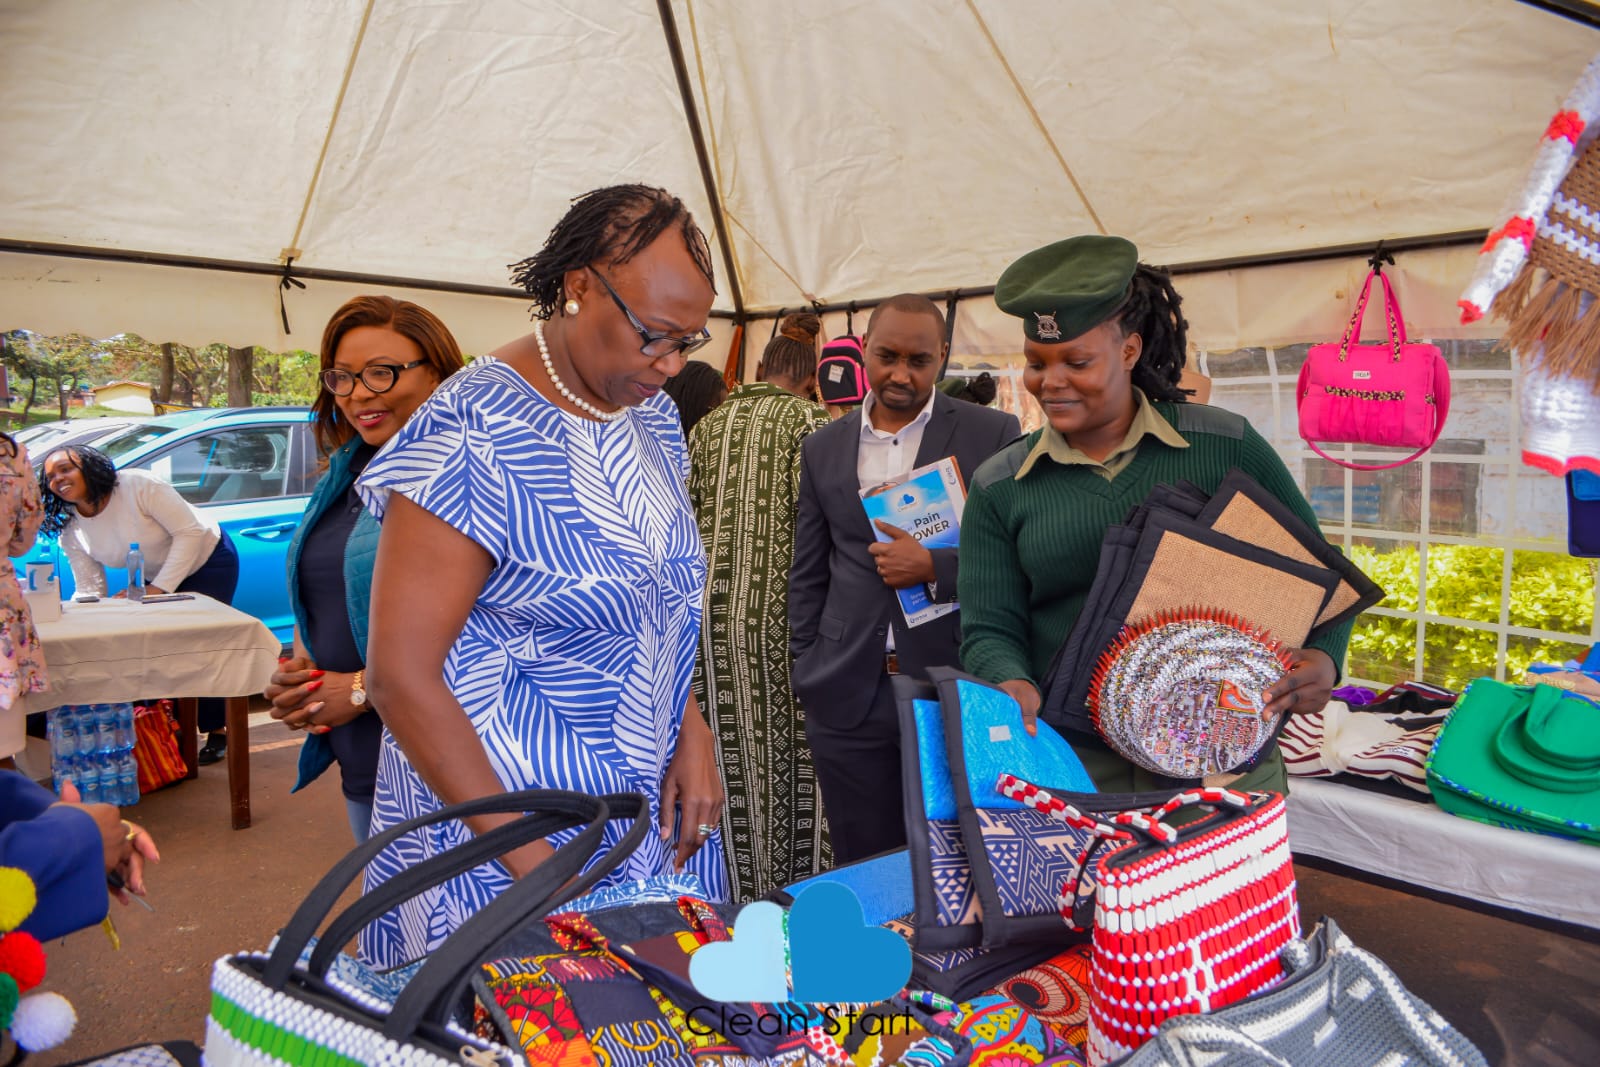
[835,956]
[751,966]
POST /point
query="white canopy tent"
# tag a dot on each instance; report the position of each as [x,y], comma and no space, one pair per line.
[857,149]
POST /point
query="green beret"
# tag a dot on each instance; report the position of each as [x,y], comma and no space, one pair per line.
[1066,289]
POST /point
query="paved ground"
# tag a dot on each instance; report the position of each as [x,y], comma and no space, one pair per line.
[1528,997]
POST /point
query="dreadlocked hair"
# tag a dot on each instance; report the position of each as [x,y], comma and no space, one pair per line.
[99,478]
[610,225]
[1152,312]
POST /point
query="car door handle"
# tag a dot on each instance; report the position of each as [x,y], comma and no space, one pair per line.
[276,532]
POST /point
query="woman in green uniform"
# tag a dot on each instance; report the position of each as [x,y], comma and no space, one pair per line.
[1105,347]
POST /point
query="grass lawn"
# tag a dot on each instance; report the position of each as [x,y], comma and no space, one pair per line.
[51,412]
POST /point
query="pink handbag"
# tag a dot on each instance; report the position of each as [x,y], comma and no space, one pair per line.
[1396,394]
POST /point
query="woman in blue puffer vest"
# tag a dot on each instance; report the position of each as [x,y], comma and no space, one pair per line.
[381,358]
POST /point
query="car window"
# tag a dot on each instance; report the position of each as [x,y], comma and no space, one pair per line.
[129,440]
[307,464]
[240,463]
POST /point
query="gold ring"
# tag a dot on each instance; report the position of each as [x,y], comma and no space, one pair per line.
[133,831]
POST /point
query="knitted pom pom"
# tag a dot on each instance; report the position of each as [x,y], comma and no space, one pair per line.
[17,897]
[22,957]
[43,1021]
[8,1000]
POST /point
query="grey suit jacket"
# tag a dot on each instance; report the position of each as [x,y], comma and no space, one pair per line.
[839,609]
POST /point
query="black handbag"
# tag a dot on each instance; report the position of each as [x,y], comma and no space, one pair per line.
[269,1008]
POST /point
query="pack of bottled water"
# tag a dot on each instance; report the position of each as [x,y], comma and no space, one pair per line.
[92,745]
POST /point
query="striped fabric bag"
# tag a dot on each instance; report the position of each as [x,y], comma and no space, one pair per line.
[155,746]
[1340,741]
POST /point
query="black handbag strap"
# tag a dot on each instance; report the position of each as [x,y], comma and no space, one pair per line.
[435,988]
[554,809]
[482,849]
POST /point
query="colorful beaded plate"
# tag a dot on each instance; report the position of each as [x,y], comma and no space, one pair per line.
[1180,693]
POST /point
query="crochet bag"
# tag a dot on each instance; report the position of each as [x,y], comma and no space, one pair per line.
[270,1009]
[1337,1005]
[1186,919]
[1394,395]
[155,746]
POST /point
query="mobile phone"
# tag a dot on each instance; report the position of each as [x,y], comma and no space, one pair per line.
[162,598]
[85,598]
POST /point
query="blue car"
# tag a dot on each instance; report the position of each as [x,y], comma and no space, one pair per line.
[250,469]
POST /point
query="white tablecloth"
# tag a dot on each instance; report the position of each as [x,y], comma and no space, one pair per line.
[1423,845]
[115,650]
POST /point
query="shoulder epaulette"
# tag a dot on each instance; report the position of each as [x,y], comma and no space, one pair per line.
[1203,418]
[1003,464]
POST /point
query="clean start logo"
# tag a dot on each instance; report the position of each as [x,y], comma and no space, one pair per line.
[821,952]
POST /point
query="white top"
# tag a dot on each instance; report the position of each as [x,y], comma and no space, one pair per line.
[175,539]
[889,457]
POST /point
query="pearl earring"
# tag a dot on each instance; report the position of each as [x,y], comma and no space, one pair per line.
[571,307]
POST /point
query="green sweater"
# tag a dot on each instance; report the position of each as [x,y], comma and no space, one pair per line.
[1030,548]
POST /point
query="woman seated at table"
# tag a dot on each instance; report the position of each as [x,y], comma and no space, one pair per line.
[537,595]
[99,512]
[1105,346]
[381,358]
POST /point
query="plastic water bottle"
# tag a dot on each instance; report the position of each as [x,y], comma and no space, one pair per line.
[127,779]
[65,770]
[125,735]
[135,573]
[85,730]
[105,729]
[88,779]
[63,735]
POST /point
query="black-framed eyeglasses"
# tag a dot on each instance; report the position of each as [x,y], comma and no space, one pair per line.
[655,343]
[377,377]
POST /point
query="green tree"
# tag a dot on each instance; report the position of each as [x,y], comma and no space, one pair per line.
[61,362]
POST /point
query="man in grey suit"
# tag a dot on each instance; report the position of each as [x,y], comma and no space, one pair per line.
[848,633]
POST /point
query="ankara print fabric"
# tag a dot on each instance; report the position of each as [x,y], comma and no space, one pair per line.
[574,663]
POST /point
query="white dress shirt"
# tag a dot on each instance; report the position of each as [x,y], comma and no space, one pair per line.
[889,457]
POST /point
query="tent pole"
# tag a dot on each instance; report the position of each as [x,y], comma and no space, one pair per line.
[1577,10]
[691,113]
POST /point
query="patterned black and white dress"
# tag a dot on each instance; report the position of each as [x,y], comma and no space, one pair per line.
[574,664]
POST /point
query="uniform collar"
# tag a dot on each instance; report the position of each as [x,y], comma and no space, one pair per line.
[1147,421]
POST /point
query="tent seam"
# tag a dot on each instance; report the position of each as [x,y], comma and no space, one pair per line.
[1033,112]
[293,251]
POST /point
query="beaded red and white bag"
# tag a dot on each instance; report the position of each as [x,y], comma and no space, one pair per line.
[1186,919]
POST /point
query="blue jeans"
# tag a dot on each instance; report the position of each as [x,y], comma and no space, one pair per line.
[360,813]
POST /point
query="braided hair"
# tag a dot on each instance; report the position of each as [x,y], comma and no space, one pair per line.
[792,355]
[99,478]
[1152,311]
[610,225]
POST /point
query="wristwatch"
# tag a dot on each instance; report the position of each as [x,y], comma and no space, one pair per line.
[358,689]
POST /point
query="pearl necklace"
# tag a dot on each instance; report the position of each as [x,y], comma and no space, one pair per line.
[561,386]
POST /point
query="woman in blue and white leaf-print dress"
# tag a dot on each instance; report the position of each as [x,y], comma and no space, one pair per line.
[537,594]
